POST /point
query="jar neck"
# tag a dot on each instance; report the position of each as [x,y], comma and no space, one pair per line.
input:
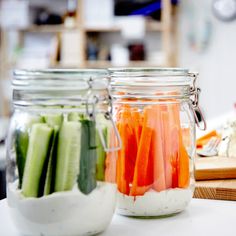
[59,88]
[151,85]
[151,95]
[155,85]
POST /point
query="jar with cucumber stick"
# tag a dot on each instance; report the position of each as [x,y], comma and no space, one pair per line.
[61,153]
[155,114]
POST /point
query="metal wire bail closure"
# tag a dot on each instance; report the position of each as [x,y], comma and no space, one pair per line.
[195,92]
[92,102]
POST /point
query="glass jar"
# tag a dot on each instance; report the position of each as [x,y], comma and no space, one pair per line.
[155,113]
[60,178]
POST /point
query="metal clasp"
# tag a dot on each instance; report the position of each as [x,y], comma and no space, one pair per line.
[92,102]
[117,141]
[108,117]
[194,93]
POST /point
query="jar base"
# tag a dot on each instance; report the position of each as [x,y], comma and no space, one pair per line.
[154,204]
[158,216]
[149,217]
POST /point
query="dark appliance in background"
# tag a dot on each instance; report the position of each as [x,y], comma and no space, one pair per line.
[42,16]
[136,52]
[149,8]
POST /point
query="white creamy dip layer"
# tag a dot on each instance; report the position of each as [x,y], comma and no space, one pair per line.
[64,213]
[154,203]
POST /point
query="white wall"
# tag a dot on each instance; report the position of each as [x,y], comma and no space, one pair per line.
[217,64]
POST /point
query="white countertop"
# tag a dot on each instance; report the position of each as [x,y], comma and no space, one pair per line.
[201,218]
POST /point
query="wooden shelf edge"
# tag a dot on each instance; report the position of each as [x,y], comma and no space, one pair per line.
[105,64]
[48,29]
[151,26]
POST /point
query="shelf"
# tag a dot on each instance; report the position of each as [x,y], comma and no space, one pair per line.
[102,29]
[151,26]
[107,64]
[154,26]
[48,29]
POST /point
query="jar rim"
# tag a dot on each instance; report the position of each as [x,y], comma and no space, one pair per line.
[151,77]
[43,73]
[167,71]
[62,79]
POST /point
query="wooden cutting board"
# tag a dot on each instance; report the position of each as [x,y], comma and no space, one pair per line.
[216,178]
[209,168]
[216,189]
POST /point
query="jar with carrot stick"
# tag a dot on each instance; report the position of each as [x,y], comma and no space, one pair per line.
[155,113]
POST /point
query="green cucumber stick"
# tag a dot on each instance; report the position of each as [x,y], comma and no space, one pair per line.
[37,155]
[53,119]
[101,155]
[88,157]
[21,143]
[51,168]
[68,153]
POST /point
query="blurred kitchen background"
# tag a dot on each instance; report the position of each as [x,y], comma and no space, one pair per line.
[200,35]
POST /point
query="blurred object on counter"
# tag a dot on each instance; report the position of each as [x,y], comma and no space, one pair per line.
[132,27]
[104,53]
[224,128]
[92,47]
[71,49]
[44,17]
[137,52]
[216,123]
[205,139]
[210,148]
[119,55]
[71,14]
[19,14]
[157,56]
[227,145]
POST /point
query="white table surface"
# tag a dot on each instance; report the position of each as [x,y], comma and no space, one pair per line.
[202,217]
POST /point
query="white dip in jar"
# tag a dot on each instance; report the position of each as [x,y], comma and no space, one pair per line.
[154,203]
[63,213]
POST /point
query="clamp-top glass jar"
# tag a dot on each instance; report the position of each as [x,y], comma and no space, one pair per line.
[60,179]
[155,113]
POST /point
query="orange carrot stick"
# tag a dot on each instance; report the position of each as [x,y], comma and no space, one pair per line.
[159,183]
[126,156]
[122,184]
[182,159]
[184,174]
[140,172]
[130,154]
[174,126]
[111,157]
[175,155]
[136,122]
[167,146]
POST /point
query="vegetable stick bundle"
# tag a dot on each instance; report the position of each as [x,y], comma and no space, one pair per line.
[153,155]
